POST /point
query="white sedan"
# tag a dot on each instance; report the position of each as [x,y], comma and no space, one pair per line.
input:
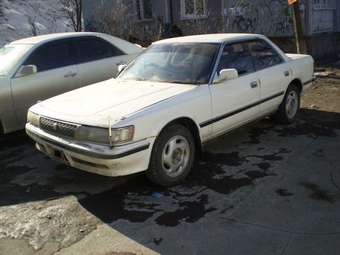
[37,68]
[177,95]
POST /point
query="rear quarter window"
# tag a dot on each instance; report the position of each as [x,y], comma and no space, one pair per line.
[264,55]
[92,49]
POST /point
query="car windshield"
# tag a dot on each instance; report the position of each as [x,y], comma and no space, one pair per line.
[187,63]
[10,55]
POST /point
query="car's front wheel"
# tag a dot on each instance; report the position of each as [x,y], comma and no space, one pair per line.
[289,107]
[172,156]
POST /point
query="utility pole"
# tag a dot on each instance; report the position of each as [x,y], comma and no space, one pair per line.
[301,46]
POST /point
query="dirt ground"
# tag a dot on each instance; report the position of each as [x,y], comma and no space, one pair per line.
[263,189]
[325,94]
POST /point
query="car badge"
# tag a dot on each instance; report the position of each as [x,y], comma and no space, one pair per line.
[55,126]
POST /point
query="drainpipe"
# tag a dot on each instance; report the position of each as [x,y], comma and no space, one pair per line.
[169,16]
[171,12]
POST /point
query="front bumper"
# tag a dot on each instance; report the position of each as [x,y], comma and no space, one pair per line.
[99,159]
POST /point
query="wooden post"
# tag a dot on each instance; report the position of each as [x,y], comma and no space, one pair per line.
[301,46]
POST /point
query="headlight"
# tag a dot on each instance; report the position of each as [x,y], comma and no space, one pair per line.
[104,135]
[33,119]
[93,134]
[122,135]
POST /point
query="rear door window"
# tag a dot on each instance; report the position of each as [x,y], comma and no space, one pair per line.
[237,56]
[51,56]
[264,55]
[92,49]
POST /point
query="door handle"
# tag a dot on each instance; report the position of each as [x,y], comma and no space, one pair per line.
[254,84]
[286,73]
[121,63]
[69,75]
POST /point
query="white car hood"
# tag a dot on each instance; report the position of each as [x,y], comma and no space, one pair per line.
[111,99]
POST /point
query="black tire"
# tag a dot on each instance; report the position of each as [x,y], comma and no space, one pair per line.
[157,171]
[282,116]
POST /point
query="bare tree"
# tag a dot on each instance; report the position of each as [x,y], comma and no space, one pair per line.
[116,21]
[74,10]
[1,9]
[31,22]
[32,18]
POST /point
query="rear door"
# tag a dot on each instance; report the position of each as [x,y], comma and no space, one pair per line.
[56,74]
[235,101]
[97,59]
[273,72]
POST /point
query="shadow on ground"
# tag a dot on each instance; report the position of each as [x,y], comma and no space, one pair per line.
[235,167]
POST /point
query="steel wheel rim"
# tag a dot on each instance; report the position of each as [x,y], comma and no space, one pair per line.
[292,104]
[175,156]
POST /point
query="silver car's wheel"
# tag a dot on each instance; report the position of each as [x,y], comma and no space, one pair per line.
[175,156]
[292,104]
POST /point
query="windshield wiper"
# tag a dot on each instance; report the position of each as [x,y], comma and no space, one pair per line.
[139,79]
[134,79]
[178,81]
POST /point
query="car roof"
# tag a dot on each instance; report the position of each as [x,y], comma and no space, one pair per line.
[48,37]
[127,47]
[211,38]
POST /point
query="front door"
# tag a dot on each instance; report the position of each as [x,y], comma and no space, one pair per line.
[235,101]
[56,74]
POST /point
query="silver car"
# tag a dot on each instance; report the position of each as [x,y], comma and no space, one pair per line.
[37,68]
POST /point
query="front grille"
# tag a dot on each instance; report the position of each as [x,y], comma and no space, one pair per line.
[58,127]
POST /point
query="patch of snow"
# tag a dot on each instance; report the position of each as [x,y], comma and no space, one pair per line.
[19,17]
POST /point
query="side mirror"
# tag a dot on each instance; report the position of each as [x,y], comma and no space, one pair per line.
[26,71]
[121,68]
[225,75]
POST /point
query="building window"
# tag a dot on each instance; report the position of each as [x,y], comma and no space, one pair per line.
[144,9]
[322,4]
[193,9]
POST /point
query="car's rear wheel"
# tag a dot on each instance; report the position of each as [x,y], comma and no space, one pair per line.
[172,156]
[289,107]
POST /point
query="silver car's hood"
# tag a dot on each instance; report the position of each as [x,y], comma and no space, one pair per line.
[112,99]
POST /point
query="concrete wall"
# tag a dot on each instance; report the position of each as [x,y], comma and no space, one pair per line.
[119,18]
[270,17]
[212,23]
[337,12]
[322,18]
[323,46]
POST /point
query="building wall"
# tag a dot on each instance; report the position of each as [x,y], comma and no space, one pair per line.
[211,23]
[120,18]
[270,17]
[273,18]
[338,16]
[321,28]
[322,17]
[323,46]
